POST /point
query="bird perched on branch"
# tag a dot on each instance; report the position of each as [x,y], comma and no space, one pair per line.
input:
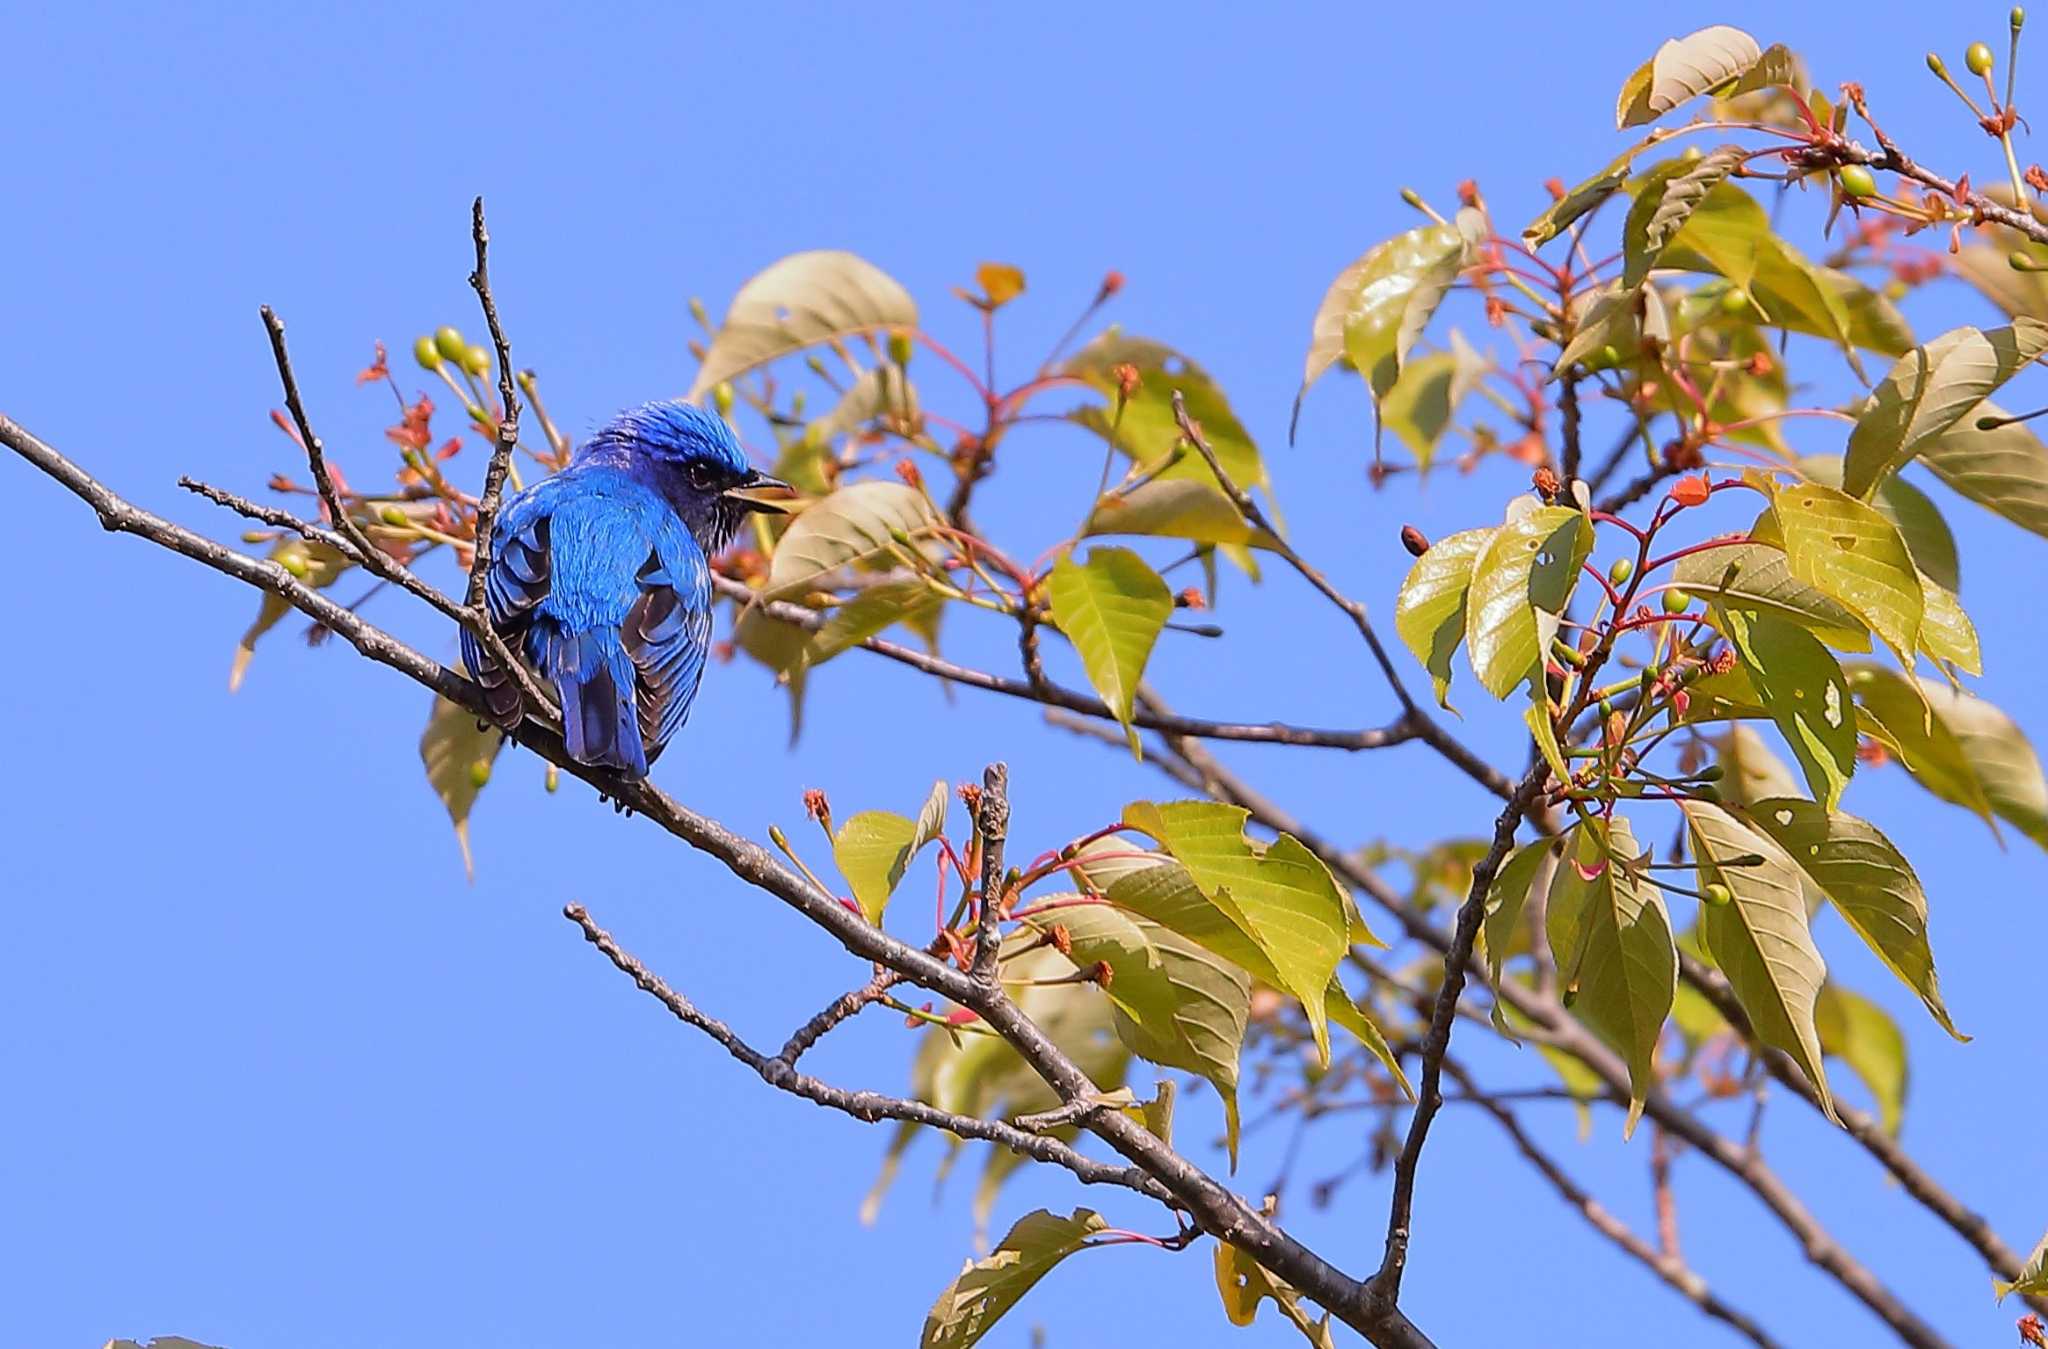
[599,577]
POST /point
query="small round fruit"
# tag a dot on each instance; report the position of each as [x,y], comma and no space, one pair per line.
[427,354]
[479,772]
[1676,601]
[1717,893]
[721,398]
[900,347]
[1606,708]
[448,341]
[1623,568]
[1896,290]
[1735,301]
[476,360]
[1978,59]
[1857,182]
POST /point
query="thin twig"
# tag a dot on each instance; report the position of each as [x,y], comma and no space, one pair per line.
[507,430]
[839,1009]
[992,825]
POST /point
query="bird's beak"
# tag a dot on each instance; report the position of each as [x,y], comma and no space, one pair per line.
[759,492]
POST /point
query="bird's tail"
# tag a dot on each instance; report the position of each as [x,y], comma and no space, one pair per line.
[594,681]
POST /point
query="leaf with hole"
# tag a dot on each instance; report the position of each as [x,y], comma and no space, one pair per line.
[1758,576]
[1524,577]
[1848,550]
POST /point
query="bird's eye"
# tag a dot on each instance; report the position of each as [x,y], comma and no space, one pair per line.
[701,477]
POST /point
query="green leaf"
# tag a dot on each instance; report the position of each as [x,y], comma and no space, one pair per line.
[1147,431]
[1803,689]
[1112,610]
[1619,317]
[1897,714]
[1429,613]
[1859,1033]
[1506,897]
[1419,408]
[1928,391]
[1800,297]
[1683,69]
[1724,234]
[1169,896]
[1847,549]
[1610,936]
[854,526]
[883,392]
[1672,193]
[1867,880]
[1175,508]
[1527,569]
[2004,469]
[870,613]
[1759,576]
[1946,632]
[1566,210]
[314,565]
[2033,1279]
[1750,772]
[1760,938]
[783,648]
[1280,895]
[1999,756]
[988,1288]
[800,301]
[872,851]
[458,759]
[1178,1004]
[1378,306]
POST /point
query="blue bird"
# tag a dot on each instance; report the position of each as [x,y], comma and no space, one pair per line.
[600,579]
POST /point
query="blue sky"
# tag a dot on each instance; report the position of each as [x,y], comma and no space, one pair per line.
[280,1080]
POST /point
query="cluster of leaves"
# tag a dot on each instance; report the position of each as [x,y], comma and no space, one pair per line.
[1659,681]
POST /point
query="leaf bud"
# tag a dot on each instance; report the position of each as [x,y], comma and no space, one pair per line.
[448,341]
[553,779]
[1934,64]
[900,346]
[697,312]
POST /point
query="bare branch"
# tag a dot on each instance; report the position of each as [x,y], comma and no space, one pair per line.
[779,1072]
[507,430]
[839,1009]
[1665,1265]
[992,825]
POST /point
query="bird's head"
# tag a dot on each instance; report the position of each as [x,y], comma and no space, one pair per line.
[693,459]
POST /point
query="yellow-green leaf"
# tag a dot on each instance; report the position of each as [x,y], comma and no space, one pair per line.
[1759,576]
[314,565]
[1999,756]
[1429,613]
[1869,882]
[868,614]
[1847,549]
[1377,307]
[1899,716]
[872,851]
[854,526]
[1760,938]
[2033,1279]
[2004,469]
[988,1288]
[1147,431]
[1419,408]
[1683,69]
[1610,936]
[458,758]
[1112,609]
[1244,1284]
[1671,194]
[1803,689]
[1918,519]
[800,301]
[1928,391]
[1521,582]
[1176,508]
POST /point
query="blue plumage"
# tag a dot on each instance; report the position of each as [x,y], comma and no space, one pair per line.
[599,578]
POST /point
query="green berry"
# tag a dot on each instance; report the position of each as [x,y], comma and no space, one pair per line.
[1570,996]
[476,360]
[1621,570]
[392,515]
[427,354]
[479,772]
[1934,64]
[1857,182]
[900,347]
[1735,301]
[721,397]
[1606,708]
[295,563]
[554,778]
[1717,893]
[1978,59]
[1711,773]
[448,341]
[2019,18]
[1676,601]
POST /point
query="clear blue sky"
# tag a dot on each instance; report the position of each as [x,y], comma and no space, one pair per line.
[277,1079]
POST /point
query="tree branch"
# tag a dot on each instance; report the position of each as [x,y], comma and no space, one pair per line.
[992,825]
[506,432]
[780,1072]
[1213,1207]
[1673,1271]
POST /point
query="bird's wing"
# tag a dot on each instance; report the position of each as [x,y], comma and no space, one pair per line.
[517,580]
[666,633]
